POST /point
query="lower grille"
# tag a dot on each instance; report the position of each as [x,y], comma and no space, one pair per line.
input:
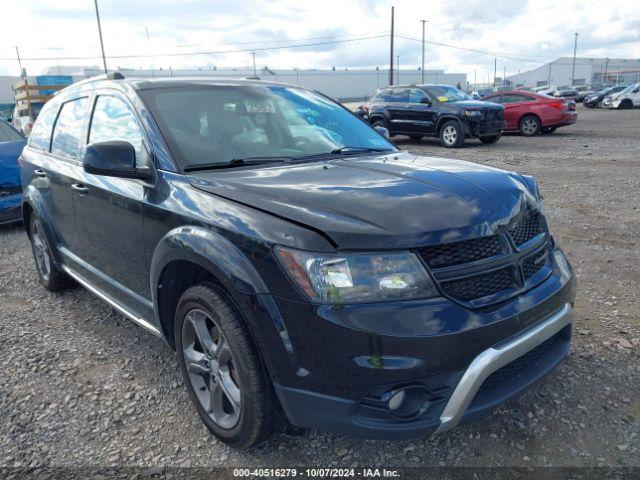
[532,264]
[482,285]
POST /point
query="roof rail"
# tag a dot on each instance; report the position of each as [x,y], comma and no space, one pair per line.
[97,78]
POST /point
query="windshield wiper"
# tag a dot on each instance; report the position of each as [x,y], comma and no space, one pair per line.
[347,149]
[233,163]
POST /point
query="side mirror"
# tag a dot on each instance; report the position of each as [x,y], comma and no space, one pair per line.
[383,131]
[114,159]
[425,100]
[360,112]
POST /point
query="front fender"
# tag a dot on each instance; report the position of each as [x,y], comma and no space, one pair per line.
[235,272]
[210,250]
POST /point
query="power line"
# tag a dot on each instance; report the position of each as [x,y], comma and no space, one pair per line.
[212,52]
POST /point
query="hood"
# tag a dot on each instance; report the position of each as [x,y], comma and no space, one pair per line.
[476,104]
[397,200]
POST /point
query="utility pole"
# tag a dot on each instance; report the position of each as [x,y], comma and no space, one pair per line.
[606,65]
[398,63]
[549,77]
[504,76]
[253,54]
[573,67]
[391,52]
[104,59]
[20,62]
[423,44]
[495,70]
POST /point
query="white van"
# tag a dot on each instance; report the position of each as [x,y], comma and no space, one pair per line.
[627,98]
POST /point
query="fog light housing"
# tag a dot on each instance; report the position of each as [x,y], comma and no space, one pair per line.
[396,400]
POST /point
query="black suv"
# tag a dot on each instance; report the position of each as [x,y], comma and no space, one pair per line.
[439,111]
[294,258]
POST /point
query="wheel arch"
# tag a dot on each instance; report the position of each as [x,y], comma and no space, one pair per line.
[530,114]
[189,255]
[444,119]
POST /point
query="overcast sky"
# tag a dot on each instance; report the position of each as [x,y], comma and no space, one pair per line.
[529,32]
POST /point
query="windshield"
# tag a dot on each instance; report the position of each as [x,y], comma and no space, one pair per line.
[629,89]
[215,124]
[445,94]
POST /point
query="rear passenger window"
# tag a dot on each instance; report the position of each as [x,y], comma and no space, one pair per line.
[40,137]
[113,120]
[67,132]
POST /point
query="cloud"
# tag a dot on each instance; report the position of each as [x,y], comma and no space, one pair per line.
[523,34]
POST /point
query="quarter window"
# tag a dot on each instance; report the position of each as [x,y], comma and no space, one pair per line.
[113,120]
[40,137]
[67,132]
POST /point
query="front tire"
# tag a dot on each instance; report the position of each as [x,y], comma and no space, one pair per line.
[49,275]
[452,135]
[221,368]
[529,126]
[626,103]
[488,140]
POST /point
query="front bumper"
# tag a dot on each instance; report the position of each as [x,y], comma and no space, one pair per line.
[460,363]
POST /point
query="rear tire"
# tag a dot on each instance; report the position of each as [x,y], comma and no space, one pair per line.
[222,369]
[49,275]
[488,140]
[452,135]
[529,125]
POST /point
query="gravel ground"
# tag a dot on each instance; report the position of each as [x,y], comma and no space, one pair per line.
[81,386]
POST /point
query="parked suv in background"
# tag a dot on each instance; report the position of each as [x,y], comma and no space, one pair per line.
[437,111]
[530,113]
[292,256]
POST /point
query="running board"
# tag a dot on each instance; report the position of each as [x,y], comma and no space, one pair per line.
[103,296]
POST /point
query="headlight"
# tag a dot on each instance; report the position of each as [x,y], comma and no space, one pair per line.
[357,278]
[472,113]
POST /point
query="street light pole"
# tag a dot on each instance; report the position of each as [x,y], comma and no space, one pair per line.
[104,59]
[398,63]
[573,67]
[423,44]
[253,54]
[391,52]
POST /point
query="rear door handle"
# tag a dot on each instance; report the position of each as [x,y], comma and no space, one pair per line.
[80,188]
[39,172]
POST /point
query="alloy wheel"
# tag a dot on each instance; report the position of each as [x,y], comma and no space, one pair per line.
[529,126]
[41,250]
[211,368]
[449,135]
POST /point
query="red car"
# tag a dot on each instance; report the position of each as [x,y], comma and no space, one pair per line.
[532,113]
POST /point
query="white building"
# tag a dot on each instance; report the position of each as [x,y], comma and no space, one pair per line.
[587,70]
[340,84]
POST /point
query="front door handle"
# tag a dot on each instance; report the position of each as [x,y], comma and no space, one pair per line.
[39,172]
[80,188]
